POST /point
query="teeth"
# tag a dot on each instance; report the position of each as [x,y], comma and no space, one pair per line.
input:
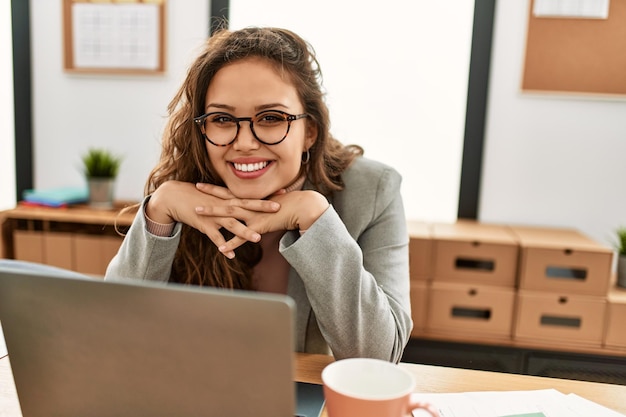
[250,167]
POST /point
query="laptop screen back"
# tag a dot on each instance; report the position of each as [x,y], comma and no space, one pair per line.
[83,347]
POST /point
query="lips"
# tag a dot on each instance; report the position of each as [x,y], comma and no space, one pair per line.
[249,170]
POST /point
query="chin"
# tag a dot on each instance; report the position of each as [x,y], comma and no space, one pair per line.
[252,194]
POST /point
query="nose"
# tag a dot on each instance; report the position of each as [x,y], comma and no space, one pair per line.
[245,139]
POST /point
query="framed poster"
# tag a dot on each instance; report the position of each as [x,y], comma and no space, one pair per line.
[123,36]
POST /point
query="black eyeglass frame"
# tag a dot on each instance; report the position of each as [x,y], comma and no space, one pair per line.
[288,117]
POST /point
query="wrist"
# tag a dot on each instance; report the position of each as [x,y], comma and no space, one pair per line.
[156,210]
[313,208]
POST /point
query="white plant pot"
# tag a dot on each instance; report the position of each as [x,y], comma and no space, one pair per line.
[621,271]
[101,193]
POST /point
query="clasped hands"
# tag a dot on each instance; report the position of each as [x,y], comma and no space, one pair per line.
[208,208]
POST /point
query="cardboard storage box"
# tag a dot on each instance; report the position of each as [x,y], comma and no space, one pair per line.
[28,245]
[110,246]
[420,251]
[560,318]
[475,253]
[616,319]
[476,310]
[419,306]
[93,253]
[58,249]
[564,261]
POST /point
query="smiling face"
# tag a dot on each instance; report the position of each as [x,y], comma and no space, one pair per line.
[249,168]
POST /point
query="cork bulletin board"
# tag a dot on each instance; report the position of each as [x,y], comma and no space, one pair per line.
[114,36]
[576,55]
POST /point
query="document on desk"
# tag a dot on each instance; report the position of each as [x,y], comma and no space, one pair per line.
[537,403]
[3,346]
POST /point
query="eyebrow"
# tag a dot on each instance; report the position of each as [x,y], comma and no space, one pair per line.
[220,106]
[257,108]
[269,106]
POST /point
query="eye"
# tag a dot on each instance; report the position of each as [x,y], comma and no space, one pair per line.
[221,119]
[270,118]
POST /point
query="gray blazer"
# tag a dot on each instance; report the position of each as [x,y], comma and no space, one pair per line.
[349,272]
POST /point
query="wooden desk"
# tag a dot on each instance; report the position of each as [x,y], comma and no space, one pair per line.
[77,237]
[81,213]
[430,379]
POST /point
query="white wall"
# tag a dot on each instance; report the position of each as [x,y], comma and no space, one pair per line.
[123,113]
[553,161]
[549,160]
[396,75]
[397,84]
[7,124]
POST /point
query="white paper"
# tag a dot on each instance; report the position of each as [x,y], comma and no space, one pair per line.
[536,403]
[3,346]
[590,9]
[589,408]
[116,36]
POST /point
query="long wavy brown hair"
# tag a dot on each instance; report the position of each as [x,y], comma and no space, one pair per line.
[184,155]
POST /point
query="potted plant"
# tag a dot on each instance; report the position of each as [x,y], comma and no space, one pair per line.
[100,168]
[621,259]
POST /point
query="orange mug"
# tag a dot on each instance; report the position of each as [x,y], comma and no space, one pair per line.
[362,387]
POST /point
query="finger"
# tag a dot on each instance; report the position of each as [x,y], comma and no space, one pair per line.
[250,204]
[239,209]
[228,248]
[215,236]
[215,190]
[240,230]
[227,253]
[267,206]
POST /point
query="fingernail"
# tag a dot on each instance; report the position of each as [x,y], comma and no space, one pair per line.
[256,237]
[199,209]
[229,254]
[275,205]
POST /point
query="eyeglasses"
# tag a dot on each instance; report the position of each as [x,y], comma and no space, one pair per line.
[269,127]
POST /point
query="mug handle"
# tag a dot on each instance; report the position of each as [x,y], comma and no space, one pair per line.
[415,404]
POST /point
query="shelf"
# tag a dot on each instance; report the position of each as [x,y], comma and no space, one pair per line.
[77,237]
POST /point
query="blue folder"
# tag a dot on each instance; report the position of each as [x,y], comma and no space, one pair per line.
[57,197]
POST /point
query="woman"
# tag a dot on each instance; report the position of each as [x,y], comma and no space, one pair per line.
[252,192]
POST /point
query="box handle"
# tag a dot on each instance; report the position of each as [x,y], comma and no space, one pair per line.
[560,321]
[474,264]
[472,313]
[560,272]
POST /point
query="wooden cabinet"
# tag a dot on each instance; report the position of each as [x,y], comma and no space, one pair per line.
[77,238]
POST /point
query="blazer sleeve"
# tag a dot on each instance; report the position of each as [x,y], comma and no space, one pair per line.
[142,255]
[357,277]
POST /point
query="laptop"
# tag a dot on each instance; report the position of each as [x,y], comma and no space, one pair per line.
[84,347]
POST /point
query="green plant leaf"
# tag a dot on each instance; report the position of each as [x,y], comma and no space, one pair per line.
[100,163]
[621,240]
